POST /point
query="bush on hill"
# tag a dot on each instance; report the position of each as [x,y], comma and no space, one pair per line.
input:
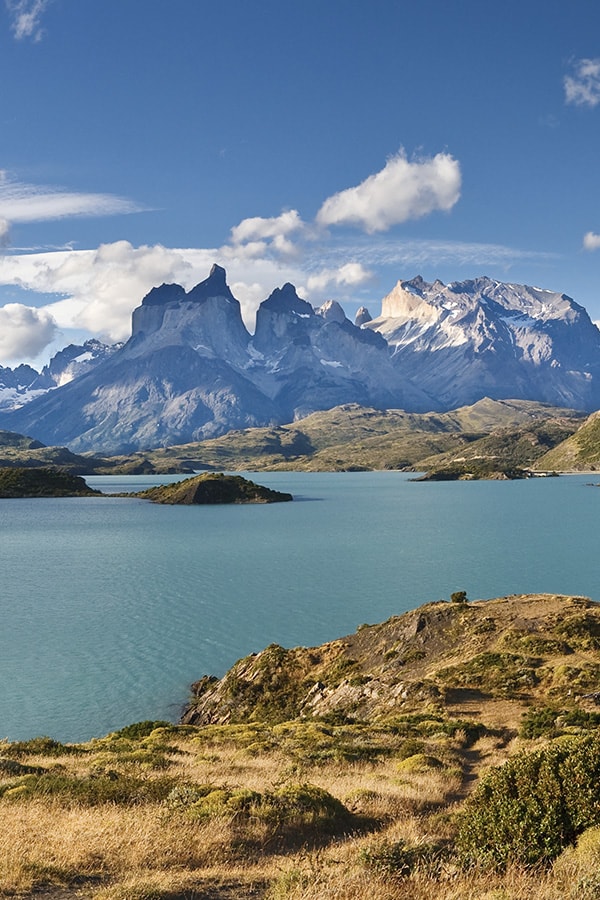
[528,810]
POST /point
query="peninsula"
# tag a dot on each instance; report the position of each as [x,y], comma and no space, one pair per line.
[42,482]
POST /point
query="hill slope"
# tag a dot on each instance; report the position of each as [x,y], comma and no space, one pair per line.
[579,452]
[491,660]
[351,436]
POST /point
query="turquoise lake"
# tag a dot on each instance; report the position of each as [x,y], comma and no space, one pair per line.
[111,607]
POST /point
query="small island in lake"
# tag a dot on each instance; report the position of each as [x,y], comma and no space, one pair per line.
[212,487]
[485,471]
[42,482]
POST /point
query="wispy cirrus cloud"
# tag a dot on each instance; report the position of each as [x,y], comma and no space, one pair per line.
[428,253]
[582,87]
[26,203]
[404,189]
[26,16]
[591,241]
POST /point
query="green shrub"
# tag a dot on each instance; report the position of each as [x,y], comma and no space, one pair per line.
[429,724]
[139,730]
[582,631]
[458,597]
[534,805]
[294,807]
[538,722]
[420,762]
[498,674]
[41,746]
[12,767]
[550,721]
[410,747]
[105,787]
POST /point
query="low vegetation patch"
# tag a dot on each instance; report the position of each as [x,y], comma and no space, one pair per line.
[499,674]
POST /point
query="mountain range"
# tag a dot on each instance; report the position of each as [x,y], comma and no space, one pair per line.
[191,370]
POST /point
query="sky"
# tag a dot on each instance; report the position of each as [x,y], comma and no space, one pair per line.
[341,145]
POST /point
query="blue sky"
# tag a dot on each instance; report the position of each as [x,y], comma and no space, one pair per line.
[340,144]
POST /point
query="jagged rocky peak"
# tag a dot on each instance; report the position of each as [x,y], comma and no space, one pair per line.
[418,300]
[213,286]
[168,309]
[286,300]
[409,300]
[331,311]
[166,293]
[362,317]
[282,318]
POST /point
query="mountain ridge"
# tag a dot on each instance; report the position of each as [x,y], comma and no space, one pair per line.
[192,371]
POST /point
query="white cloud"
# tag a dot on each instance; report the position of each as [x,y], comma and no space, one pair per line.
[4,231]
[21,202]
[583,87]
[351,274]
[258,228]
[401,191]
[24,332]
[101,287]
[591,241]
[26,17]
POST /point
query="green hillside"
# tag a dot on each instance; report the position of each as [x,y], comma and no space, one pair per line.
[578,453]
[354,437]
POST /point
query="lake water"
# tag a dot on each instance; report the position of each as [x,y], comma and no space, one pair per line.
[111,607]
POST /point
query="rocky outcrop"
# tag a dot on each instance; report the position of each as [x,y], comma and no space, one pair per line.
[458,655]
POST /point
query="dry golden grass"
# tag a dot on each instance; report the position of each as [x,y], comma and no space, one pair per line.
[148,850]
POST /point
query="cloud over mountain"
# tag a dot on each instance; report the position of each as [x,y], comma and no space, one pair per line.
[402,190]
[101,286]
[24,331]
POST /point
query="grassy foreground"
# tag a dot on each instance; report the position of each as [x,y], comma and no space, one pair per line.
[490,795]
